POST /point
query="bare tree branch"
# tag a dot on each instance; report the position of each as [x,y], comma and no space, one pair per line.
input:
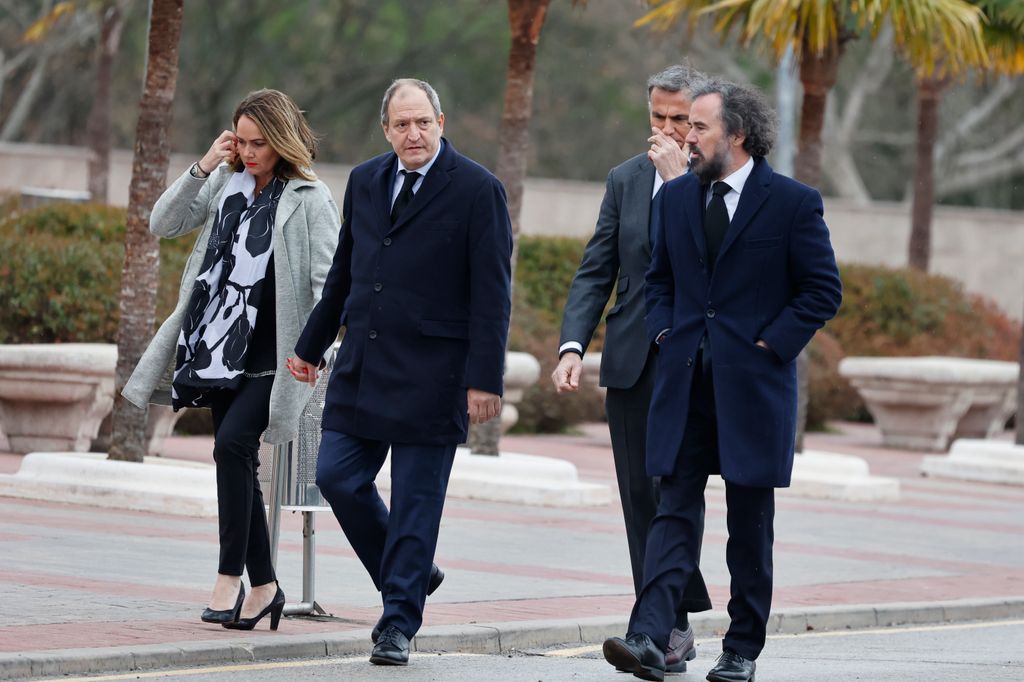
[841,170]
[975,177]
[1005,147]
[975,116]
[884,137]
[20,112]
[869,80]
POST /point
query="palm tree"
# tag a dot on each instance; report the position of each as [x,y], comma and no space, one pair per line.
[817,30]
[526,19]
[141,249]
[1003,37]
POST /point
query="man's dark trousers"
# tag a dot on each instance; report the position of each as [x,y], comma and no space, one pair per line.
[397,548]
[674,539]
[627,422]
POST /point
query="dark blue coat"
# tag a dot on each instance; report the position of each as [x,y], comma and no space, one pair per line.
[775,279]
[425,302]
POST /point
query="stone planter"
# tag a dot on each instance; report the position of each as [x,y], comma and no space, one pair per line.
[521,371]
[923,403]
[54,396]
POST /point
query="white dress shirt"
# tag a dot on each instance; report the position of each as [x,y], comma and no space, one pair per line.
[399,179]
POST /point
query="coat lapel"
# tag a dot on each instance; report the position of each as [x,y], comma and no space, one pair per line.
[380,189]
[754,193]
[693,201]
[436,179]
[638,210]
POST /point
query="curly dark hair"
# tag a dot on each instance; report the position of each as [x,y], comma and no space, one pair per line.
[744,112]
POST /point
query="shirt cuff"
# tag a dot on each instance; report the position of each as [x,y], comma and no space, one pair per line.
[657,339]
[574,346]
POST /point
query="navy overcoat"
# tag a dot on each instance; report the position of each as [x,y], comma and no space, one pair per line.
[425,302]
[775,279]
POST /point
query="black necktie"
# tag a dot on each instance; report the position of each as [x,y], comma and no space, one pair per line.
[405,195]
[716,222]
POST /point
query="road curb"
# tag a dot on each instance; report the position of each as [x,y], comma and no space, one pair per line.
[485,638]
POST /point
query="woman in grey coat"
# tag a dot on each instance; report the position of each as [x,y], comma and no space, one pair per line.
[268,232]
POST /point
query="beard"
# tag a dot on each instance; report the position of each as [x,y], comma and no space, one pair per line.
[709,170]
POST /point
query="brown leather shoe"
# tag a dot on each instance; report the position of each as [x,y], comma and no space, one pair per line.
[680,650]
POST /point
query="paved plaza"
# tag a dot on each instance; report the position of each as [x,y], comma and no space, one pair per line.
[89,589]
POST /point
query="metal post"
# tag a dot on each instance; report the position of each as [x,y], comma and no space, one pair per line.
[277,478]
[308,605]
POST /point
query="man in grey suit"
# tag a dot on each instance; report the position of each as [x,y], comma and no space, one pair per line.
[618,256]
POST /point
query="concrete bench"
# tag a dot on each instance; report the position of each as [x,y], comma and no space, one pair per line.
[924,403]
[54,396]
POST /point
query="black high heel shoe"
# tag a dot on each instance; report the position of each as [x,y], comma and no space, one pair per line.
[275,608]
[227,615]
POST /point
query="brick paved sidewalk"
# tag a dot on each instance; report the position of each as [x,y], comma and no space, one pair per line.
[75,577]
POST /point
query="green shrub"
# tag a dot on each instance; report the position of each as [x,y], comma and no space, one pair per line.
[900,312]
[60,273]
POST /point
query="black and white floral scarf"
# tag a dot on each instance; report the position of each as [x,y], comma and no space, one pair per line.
[217,332]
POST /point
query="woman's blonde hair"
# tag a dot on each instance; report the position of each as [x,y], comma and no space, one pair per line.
[285,128]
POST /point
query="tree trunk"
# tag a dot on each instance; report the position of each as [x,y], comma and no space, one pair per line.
[139,277]
[98,130]
[526,19]
[929,92]
[818,74]
[1019,418]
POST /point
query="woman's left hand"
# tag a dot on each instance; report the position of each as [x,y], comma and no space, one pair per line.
[302,370]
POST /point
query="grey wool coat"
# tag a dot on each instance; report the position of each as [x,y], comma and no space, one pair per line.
[306,231]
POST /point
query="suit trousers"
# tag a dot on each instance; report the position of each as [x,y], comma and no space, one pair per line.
[239,419]
[396,547]
[627,410]
[674,540]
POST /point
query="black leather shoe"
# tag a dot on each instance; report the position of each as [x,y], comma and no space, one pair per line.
[732,667]
[636,654]
[436,578]
[227,615]
[392,648]
[275,608]
[680,649]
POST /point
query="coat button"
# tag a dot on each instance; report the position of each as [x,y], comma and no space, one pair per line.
[377,286]
[373,334]
[689,362]
[710,313]
[387,241]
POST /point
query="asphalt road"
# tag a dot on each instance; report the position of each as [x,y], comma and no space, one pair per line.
[942,653]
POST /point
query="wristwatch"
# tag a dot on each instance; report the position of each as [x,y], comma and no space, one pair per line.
[196,172]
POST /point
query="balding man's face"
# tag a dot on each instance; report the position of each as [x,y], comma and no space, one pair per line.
[412,129]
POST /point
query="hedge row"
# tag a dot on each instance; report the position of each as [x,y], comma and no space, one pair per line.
[60,275]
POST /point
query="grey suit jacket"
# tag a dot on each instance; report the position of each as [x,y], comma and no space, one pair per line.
[616,257]
[305,238]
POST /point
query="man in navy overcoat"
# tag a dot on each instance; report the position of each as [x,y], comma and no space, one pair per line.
[742,275]
[421,283]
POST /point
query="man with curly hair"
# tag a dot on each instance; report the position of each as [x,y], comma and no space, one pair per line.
[742,275]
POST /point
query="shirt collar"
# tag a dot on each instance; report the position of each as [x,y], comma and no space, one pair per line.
[422,170]
[739,178]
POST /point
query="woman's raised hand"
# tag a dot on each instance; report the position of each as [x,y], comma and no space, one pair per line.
[222,149]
